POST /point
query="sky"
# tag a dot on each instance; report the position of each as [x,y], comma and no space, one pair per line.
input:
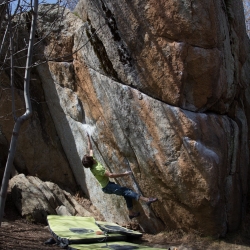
[14,3]
[51,1]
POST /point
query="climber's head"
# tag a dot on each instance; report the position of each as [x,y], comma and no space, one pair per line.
[88,161]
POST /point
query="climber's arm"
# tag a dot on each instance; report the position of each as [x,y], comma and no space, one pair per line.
[114,175]
[90,148]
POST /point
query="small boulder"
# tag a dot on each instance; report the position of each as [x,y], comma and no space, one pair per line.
[36,199]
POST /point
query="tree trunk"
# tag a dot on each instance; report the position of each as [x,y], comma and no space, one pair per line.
[20,120]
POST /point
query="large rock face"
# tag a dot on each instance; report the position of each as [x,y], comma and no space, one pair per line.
[163,88]
[141,74]
[178,52]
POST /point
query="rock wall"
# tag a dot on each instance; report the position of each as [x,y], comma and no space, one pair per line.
[163,88]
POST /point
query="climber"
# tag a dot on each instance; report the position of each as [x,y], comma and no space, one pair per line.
[109,187]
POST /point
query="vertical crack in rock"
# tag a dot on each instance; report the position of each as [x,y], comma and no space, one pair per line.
[124,55]
[101,53]
[229,10]
[234,147]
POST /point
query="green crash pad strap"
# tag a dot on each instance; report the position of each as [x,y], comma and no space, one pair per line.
[111,228]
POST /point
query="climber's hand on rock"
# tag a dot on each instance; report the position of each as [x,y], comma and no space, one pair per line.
[128,173]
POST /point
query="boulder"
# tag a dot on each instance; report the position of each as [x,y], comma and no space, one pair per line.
[29,199]
[62,210]
[161,84]
[35,199]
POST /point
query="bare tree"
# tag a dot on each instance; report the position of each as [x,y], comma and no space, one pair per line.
[20,120]
[13,15]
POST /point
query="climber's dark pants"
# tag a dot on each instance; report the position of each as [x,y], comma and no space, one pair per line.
[128,194]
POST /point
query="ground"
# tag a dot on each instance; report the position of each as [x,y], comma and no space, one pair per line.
[16,233]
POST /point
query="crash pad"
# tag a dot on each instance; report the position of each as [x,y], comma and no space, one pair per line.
[120,245]
[111,228]
[76,230]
